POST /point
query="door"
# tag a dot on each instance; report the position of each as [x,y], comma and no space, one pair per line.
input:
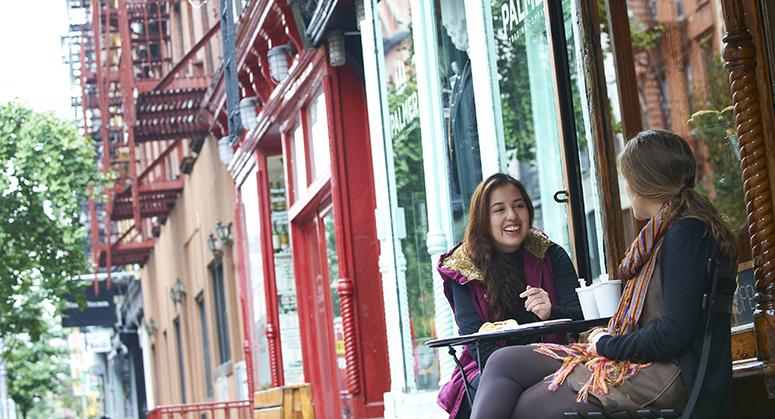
[324,330]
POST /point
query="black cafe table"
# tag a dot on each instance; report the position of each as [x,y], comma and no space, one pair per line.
[573,327]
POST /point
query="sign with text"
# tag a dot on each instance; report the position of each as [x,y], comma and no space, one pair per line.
[98,311]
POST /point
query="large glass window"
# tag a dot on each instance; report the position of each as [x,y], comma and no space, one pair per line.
[682,86]
[252,223]
[221,314]
[459,107]
[528,100]
[318,122]
[181,361]
[290,337]
[413,261]
[200,305]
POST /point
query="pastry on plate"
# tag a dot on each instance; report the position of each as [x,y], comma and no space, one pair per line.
[498,326]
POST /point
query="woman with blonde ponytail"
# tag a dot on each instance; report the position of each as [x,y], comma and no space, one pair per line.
[649,354]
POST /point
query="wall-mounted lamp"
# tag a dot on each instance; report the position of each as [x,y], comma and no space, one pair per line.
[336,51]
[177,292]
[223,232]
[214,245]
[247,112]
[150,327]
[197,3]
[360,12]
[278,61]
[224,150]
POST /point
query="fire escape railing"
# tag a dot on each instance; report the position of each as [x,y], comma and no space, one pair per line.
[141,110]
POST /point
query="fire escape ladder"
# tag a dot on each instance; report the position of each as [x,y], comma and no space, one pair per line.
[141,110]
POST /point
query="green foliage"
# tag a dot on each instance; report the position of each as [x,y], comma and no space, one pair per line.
[410,190]
[37,369]
[46,167]
[717,131]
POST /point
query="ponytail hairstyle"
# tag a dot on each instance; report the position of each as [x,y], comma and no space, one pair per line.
[660,165]
[502,287]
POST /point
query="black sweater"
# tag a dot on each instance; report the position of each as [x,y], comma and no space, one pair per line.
[565,283]
[678,334]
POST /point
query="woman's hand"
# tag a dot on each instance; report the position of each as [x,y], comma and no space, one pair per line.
[594,336]
[537,301]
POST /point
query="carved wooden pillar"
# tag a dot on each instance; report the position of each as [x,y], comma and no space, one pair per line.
[740,60]
[347,305]
[275,361]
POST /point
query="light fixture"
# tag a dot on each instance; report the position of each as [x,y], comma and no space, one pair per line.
[214,245]
[223,232]
[177,291]
[150,327]
[197,3]
[278,62]
[247,112]
[360,12]
[224,150]
[336,51]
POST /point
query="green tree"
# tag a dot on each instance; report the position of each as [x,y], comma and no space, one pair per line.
[46,167]
[36,370]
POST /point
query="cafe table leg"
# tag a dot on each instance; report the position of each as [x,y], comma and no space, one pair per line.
[465,379]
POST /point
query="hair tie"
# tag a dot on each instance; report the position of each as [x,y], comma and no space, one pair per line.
[681,191]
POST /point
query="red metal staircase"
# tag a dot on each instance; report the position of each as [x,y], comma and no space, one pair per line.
[140,109]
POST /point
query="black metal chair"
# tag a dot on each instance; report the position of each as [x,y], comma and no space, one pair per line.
[711,302]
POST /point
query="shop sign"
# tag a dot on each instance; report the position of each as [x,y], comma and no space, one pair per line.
[98,341]
[513,13]
[406,113]
[98,311]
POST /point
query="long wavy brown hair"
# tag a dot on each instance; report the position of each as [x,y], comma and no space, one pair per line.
[660,165]
[502,285]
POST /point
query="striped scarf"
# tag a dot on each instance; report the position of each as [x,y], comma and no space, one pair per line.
[637,269]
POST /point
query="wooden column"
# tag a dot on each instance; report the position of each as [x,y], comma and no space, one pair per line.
[602,132]
[626,80]
[740,59]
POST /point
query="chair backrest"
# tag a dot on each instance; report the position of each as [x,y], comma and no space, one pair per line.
[711,302]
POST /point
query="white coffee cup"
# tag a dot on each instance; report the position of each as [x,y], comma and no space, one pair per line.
[607,295]
[587,299]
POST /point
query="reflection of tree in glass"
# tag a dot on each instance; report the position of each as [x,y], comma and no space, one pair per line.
[514,85]
[410,187]
[714,124]
[717,131]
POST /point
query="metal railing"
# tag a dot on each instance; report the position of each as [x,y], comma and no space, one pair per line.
[238,409]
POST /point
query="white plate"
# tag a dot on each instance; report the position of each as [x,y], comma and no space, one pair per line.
[524,326]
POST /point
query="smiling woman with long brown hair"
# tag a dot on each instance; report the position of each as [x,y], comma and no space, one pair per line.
[649,354]
[503,269]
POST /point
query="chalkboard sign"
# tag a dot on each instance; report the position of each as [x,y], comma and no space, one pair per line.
[745,298]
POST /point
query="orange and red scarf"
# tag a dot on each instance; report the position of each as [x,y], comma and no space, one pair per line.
[637,269]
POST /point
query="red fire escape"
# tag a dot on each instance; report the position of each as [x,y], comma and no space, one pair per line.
[140,109]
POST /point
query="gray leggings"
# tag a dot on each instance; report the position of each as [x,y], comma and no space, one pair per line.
[512,385]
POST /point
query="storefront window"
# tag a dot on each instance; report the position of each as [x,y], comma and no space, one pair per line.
[682,86]
[252,223]
[413,261]
[529,109]
[461,135]
[299,162]
[290,337]
[318,122]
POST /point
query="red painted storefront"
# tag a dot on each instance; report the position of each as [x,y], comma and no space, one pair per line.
[346,365]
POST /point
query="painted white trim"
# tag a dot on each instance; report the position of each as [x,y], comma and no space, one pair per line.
[145,347]
[484,72]
[381,149]
[437,190]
